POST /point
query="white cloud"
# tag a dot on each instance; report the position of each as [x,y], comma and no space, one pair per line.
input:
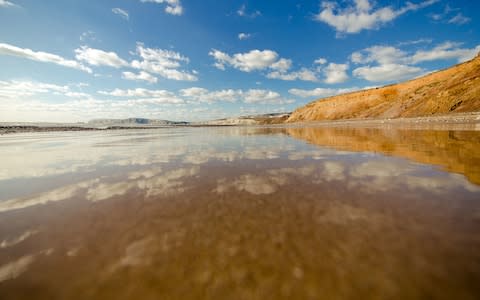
[303,74]
[252,96]
[242,12]
[387,72]
[444,51]
[158,61]
[379,54]
[392,55]
[336,73]
[162,62]
[362,16]
[261,60]
[15,89]
[35,101]
[27,101]
[120,12]
[320,92]
[149,101]
[416,42]
[206,96]
[395,64]
[459,19]
[247,62]
[7,49]
[174,7]
[143,97]
[96,57]
[139,92]
[282,65]
[320,61]
[5,3]
[141,76]
[257,96]
[244,36]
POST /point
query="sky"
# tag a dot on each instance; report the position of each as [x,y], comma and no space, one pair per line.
[190,60]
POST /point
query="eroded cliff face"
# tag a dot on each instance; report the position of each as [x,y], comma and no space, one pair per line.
[453,90]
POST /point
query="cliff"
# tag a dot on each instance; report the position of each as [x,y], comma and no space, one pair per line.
[452,90]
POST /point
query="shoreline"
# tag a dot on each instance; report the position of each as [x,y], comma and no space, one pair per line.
[460,121]
[463,121]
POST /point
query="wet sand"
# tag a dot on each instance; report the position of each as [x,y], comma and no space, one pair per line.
[240,213]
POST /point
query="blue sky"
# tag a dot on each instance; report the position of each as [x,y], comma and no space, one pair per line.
[72,60]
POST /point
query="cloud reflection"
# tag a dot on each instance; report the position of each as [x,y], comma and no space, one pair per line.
[15,268]
[17,240]
[152,182]
[265,184]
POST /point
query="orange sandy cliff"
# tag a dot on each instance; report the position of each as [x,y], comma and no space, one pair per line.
[456,89]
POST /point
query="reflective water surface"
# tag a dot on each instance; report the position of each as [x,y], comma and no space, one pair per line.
[240,213]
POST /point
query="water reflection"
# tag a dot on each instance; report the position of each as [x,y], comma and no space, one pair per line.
[456,151]
[240,213]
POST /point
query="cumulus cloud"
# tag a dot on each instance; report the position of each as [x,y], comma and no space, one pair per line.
[37,101]
[97,57]
[138,92]
[387,72]
[203,95]
[7,49]
[262,60]
[163,62]
[336,73]
[16,89]
[247,62]
[257,96]
[244,36]
[303,74]
[387,63]
[174,7]
[320,92]
[379,54]
[120,12]
[141,76]
[252,96]
[144,96]
[362,15]
[447,50]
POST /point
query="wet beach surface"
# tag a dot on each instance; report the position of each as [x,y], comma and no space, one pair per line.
[240,213]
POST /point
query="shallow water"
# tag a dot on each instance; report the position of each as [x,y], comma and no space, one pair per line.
[240,213]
